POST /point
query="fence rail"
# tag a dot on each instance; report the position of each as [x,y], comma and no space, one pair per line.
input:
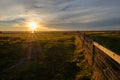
[104,63]
[111,54]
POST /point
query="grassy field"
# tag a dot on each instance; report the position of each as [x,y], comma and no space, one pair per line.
[42,56]
[110,40]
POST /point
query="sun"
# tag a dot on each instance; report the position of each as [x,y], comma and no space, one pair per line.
[33,26]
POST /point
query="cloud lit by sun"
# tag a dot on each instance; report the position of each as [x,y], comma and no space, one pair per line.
[35,26]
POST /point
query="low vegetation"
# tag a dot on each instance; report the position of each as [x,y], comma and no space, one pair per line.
[42,56]
[110,40]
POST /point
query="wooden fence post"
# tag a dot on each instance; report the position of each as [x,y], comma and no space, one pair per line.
[83,39]
[93,52]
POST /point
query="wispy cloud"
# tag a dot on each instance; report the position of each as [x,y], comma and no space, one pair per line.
[11,22]
[63,14]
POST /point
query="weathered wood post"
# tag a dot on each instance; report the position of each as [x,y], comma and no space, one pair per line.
[93,52]
[83,39]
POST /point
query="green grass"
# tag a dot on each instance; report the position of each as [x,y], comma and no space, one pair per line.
[110,40]
[58,57]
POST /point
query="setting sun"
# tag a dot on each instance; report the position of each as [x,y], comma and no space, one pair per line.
[33,26]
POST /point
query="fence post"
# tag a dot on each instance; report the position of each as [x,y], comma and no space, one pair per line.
[83,41]
[93,52]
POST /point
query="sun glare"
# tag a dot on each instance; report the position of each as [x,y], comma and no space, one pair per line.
[32,26]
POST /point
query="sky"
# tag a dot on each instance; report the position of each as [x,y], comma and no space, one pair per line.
[51,15]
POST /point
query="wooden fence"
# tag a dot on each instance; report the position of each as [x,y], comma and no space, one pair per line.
[104,63]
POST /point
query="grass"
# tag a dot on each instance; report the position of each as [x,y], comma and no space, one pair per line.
[53,56]
[110,40]
[84,70]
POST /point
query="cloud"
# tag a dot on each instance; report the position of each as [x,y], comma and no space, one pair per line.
[12,22]
[63,14]
[17,20]
[106,22]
